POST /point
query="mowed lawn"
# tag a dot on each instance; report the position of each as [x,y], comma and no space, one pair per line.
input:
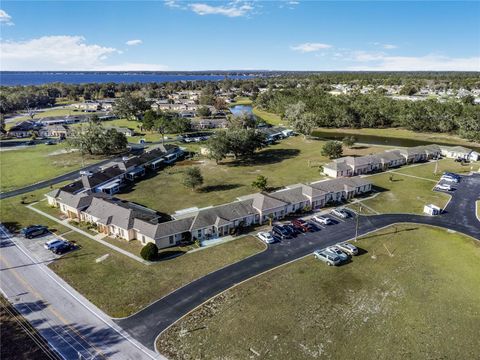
[268,117]
[32,164]
[420,303]
[291,161]
[121,286]
[15,215]
[403,194]
[428,170]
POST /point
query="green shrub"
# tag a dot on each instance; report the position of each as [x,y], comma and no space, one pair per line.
[149,252]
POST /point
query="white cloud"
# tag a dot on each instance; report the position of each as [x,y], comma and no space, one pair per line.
[62,53]
[432,62]
[172,3]
[234,9]
[5,18]
[134,42]
[310,47]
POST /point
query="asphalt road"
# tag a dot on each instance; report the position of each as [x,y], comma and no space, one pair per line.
[72,175]
[69,322]
[145,325]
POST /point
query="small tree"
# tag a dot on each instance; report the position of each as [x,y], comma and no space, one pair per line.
[193,178]
[349,141]
[149,252]
[332,149]
[260,183]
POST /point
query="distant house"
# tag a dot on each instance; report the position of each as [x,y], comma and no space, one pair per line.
[22,129]
[56,131]
[209,124]
[351,166]
[460,152]
[123,130]
[87,106]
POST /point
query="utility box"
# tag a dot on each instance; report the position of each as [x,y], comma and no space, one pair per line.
[432,210]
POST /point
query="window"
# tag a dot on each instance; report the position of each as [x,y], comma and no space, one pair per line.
[143,239]
[171,239]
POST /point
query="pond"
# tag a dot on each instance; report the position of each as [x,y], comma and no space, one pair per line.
[383,140]
[241,109]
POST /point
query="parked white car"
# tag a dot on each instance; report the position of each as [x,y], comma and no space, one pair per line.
[322,219]
[52,243]
[327,257]
[348,248]
[338,252]
[266,237]
[449,178]
[445,187]
[341,213]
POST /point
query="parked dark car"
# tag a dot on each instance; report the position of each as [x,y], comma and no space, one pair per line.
[281,232]
[62,248]
[302,225]
[33,231]
[291,229]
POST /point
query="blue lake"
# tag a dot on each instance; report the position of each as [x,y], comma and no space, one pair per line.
[38,78]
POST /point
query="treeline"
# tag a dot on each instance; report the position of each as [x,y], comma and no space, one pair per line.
[15,98]
[306,109]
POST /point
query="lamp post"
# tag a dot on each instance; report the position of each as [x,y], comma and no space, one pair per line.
[356,223]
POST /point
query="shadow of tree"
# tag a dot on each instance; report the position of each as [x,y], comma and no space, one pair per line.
[219,187]
[26,308]
[266,157]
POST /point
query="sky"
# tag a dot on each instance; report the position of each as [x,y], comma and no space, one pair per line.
[232,35]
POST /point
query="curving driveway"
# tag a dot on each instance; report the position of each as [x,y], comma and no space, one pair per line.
[145,325]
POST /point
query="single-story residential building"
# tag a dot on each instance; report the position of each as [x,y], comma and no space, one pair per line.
[130,221]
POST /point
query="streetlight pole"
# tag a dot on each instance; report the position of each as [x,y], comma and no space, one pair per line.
[356,223]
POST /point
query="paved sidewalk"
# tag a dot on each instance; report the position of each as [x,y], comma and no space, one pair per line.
[94,238]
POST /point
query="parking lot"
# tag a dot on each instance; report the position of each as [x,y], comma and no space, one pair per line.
[35,247]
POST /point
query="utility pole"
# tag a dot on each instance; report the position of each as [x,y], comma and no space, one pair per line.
[356,223]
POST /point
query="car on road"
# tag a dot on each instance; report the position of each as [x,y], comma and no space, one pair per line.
[341,213]
[33,231]
[327,257]
[348,248]
[446,173]
[322,220]
[336,250]
[445,187]
[302,225]
[281,232]
[266,237]
[62,248]
[49,245]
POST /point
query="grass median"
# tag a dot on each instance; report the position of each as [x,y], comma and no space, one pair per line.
[412,294]
[29,165]
[121,286]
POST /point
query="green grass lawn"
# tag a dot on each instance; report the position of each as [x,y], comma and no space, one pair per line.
[32,164]
[121,286]
[404,194]
[268,117]
[428,170]
[15,215]
[422,303]
[241,100]
[291,161]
